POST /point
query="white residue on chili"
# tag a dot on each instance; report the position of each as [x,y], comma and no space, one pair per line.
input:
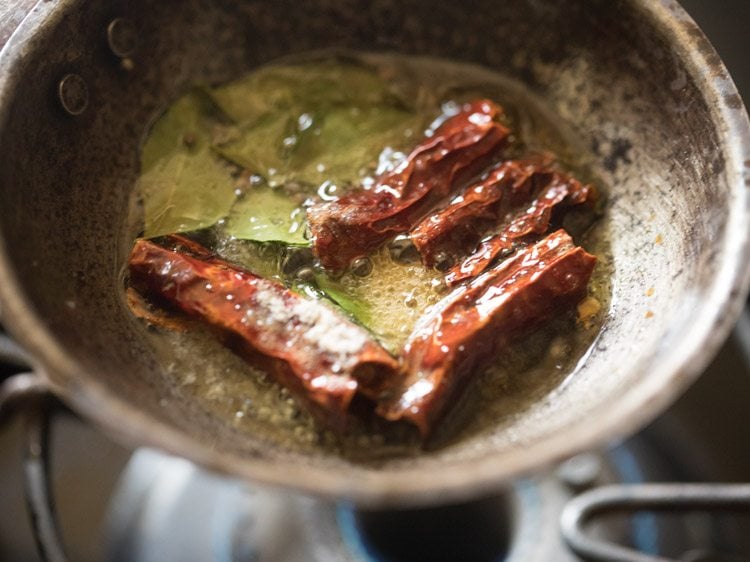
[317,324]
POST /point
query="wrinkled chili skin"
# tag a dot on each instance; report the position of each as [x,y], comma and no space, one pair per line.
[456,228]
[553,193]
[478,319]
[258,318]
[359,222]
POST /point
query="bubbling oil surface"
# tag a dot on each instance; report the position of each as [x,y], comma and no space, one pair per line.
[398,294]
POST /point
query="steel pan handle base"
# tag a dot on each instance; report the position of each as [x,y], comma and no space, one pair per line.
[674,498]
[28,394]
[11,353]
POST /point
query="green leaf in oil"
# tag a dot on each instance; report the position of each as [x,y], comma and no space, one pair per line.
[358,309]
[345,142]
[184,185]
[185,126]
[299,87]
[338,144]
[263,259]
[305,123]
[267,215]
[185,191]
[314,122]
[387,302]
[260,147]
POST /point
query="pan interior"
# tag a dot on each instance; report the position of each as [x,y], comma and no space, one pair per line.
[635,110]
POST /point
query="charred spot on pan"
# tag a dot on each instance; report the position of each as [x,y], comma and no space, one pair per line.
[733,101]
[619,152]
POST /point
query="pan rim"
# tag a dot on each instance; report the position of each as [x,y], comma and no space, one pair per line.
[672,372]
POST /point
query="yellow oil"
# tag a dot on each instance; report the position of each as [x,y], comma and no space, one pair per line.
[397,295]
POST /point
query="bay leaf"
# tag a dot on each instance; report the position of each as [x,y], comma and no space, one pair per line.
[184,185]
[183,127]
[338,144]
[260,147]
[185,191]
[260,258]
[308,123]
[267,215]
[343,146]
[357,308]
[300,87]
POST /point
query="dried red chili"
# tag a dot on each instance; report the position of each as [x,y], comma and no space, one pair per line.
[478,319]
[317,353]
[359,222]
[456,228]
[552,192]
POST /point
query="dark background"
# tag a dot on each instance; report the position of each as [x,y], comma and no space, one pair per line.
[727,25]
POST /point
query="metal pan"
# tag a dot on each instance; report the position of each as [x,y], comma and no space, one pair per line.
[643,90]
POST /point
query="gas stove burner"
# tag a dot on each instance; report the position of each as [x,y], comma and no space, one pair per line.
[167,509]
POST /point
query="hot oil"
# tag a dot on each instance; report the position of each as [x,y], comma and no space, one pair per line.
[261,259]
[225,385]
[396,294]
